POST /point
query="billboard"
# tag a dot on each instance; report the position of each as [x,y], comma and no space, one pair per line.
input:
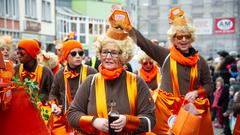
[225,25]
[203,26]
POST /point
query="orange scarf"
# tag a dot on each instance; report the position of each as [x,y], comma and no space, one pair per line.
[148,76]
[110,74]
[35,76]
[70,73]
[177,57]
[188,61]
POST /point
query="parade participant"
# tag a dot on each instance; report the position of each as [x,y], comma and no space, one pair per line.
[67,81]
[50,60]
[127,92]
[29,68]
[58,47]
[6,43]
[184,71]
[94,62]
[149,71]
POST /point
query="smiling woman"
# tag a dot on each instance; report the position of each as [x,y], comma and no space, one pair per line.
[88,112]
[124,44]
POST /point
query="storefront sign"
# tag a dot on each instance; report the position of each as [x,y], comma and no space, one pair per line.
[32,26]
[225,25]
[203,26]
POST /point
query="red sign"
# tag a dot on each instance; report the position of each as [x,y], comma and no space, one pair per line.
[224,25]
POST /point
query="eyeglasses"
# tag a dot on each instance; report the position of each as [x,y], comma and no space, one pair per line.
[74,53]
[21,52]
[4,49]
[113,54]
[148,63]
[180,37]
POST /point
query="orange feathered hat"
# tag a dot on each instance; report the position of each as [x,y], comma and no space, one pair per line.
[30,46]
[68,46]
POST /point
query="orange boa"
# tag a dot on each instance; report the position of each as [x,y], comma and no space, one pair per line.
[188,61]
[148,76]
[110,74]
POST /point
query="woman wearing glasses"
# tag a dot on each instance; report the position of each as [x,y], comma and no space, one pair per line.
[112,89]
[66,82]
[184,72]
[149,70]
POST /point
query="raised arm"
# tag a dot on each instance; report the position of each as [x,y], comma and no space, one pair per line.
[156,52]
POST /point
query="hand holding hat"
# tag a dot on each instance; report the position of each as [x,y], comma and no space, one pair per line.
[120,19]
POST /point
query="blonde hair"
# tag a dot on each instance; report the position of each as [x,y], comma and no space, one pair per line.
[220,79]
[51,61]
[181,28]
[142,57]
[126,46]
[6,41]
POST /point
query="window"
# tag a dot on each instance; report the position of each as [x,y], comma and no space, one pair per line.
[15,8]
[82,28]
[107,27]
[2,7]
[100,29]
[8,8]
[95,28]
[64,26]
[154,2]
[82,39]
[46,10]
[90,28]
[73,27]
[31,8]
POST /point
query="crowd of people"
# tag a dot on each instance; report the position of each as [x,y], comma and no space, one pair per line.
[225,71]
[85,92]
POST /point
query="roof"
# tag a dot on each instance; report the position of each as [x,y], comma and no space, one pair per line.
[67,11]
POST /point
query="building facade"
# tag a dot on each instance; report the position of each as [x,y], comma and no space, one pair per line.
[28,19]
[9,18]
[84,27]
[132,7]
[96,14]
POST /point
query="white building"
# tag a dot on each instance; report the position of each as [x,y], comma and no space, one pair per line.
[9,18]
[28,19]
[85,28]
[132,7]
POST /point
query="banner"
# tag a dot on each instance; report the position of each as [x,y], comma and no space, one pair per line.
[225,25]
[203,26]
